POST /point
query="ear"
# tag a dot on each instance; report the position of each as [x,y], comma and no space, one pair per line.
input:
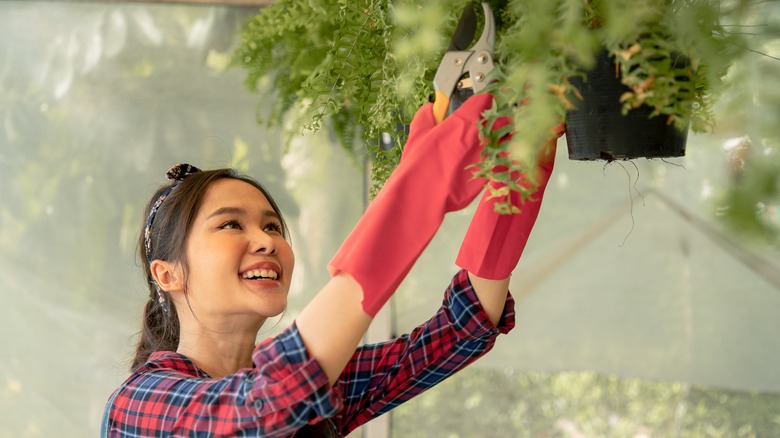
[169,276]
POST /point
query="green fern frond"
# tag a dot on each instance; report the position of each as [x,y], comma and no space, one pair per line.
[351,59]
[368,65]
[280,47]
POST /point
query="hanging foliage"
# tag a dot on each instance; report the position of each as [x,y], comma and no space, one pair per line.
[367,65]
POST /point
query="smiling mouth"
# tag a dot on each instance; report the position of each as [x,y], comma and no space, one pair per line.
[260,274]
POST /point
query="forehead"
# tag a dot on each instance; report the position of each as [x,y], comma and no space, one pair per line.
[228,192]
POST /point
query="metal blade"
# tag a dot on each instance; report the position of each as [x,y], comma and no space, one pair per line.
[467,27]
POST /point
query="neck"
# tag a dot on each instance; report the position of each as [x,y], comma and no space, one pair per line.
[218,352]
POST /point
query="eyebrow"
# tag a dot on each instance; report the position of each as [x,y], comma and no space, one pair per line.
[241,212]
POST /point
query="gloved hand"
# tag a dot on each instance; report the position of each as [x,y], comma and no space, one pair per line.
[431,179]
[494,242]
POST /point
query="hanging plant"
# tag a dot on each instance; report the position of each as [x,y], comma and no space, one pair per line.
[366,66]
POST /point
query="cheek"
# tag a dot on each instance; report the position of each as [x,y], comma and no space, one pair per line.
[286,252]
[204,255]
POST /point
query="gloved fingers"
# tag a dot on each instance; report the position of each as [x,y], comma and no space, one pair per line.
[424,130]
[422,123]
[445,151]
[545,159]
[559,130]
[471,110]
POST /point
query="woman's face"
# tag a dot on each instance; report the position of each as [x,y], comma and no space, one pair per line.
[239,262]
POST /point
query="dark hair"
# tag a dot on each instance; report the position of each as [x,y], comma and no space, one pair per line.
[172,223]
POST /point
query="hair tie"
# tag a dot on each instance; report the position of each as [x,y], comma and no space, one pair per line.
[176,174]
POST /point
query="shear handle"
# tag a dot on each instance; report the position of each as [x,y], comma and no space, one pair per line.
[478,61]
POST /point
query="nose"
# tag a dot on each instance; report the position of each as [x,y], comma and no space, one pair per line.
[262,243]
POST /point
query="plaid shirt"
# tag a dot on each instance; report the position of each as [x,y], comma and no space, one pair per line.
[287,389]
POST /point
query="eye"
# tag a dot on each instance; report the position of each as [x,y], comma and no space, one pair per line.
[231,225]
[274,227]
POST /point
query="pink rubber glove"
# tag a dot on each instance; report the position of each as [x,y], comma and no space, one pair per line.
[430,180]
[494,242]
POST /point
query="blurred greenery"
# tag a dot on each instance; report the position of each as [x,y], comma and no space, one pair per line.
[484,402]
[96,102]
[369,64]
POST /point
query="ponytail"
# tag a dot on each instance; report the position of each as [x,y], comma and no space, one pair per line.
[159,331]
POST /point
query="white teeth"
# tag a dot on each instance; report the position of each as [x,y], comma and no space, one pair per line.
[260,273]
[267,273]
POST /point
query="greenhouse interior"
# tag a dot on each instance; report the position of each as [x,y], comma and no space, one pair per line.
[638,311]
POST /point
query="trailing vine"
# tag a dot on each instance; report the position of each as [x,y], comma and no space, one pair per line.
[331,61]
[367,65]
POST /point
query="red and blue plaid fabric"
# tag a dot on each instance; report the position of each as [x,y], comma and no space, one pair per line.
[287,389]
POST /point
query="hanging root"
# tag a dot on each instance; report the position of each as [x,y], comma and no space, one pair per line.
[636,181]
[632,188]
[673,164]
[604,169]
[631,197]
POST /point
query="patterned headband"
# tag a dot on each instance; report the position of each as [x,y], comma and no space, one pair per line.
[176,174]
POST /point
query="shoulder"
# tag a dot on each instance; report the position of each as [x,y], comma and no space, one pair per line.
[165,373]
[162,371]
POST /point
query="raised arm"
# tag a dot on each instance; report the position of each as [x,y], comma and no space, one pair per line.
[382,376]
[430,181]
[494,243]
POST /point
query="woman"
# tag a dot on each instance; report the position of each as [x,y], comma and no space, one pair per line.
[218,264]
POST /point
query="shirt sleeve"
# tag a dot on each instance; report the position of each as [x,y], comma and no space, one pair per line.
[286,390]
[381,376]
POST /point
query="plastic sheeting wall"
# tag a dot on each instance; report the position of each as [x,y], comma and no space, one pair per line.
[97,101]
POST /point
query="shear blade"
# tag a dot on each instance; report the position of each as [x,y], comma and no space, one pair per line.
[464,32]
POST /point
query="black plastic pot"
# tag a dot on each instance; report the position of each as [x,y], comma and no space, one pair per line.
[596,129]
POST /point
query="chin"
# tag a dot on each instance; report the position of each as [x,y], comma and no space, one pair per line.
[272,309]
[276,312]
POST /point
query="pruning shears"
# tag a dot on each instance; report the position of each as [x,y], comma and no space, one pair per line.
[463,71]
